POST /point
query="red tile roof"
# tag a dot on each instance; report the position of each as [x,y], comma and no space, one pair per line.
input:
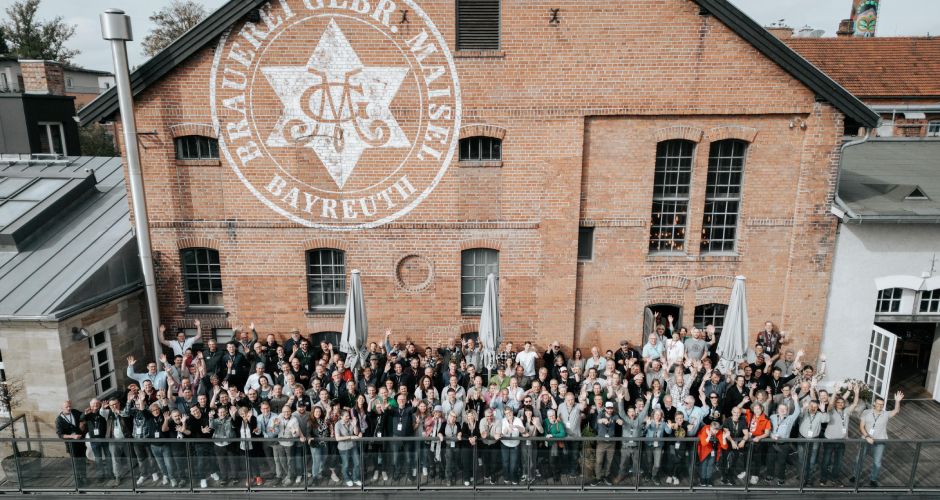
[876,67]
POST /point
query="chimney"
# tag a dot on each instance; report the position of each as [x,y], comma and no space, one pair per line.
[42,77]
[781,31]
[846,28]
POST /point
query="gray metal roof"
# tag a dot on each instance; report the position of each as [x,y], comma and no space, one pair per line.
[879,176]
[83,257]
[105,106]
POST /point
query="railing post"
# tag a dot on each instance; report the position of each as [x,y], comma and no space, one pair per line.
[473,484]
[71,453]
[303,463]
[419,448]
[129,455]
[189,467]
[247,464]
[583,457]
[805,458]
[859,462]
[16,463]
[362,465]
[638,464]
[692,460]
[747,466]
[913,467]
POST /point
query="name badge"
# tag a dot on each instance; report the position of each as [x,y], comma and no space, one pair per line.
[677,445]
[453,444]
[378,434]
[872,430]
[568,425]
[399,426]
[233,371]
[156,434]
[607,435]
[97,432]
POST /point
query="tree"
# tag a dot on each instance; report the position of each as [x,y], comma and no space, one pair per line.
[30,38]
[10,398]
[171,22]
[96,140]
[4,48]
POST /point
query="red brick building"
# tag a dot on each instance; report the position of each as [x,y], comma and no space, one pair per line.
[429,143]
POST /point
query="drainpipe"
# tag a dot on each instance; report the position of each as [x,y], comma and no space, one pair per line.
[838,201]
[116,27]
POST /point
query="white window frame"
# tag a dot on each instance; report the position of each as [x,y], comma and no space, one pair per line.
[93,352]
[65,151]
[68,82]
[933,128]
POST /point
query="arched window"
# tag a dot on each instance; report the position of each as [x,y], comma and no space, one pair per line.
[326,279]
[202,277]
[476,265]
[481,148]
[671,195]
[197,147]
[710,314]
[723,195]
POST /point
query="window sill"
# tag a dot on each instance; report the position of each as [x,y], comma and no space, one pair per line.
[681,257]
[471,313]
[326,312]
[468,54]
[198,163]
[205,311]
[905,318]
[476,163]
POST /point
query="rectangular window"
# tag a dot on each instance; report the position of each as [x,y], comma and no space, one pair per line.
[197,147]
[478,24]
[481,149]
[68,82]
[723,195]
[222,336]
[671,195]
[889,301]
[710,314]
[933,129]
[51,138]
[19,194]
[202,277]
[930,301]
[326,279]
[476,265]
[585,244]
[102,365]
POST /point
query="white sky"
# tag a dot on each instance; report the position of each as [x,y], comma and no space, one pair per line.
[897,18]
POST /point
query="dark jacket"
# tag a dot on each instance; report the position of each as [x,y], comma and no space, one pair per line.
[64,427]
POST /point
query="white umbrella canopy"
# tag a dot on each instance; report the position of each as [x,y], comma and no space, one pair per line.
[355,325]
[491,328]
[732,347]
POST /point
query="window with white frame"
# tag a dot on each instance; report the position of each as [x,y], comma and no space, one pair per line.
[102,361]
[889,300]
[933,128]
[671,183]
[930,301]
[723,195]
[476,264]
[52,138]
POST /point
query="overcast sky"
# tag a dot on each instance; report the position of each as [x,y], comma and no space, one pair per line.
[897,18]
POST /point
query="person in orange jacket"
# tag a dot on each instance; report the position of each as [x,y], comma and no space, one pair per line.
[711,441]
[759,427]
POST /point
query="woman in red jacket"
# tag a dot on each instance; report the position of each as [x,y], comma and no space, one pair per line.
[758,426]
[711,442]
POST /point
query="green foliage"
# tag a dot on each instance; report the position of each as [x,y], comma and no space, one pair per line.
[30,38]
[171,22]
[4,48]
[96,140]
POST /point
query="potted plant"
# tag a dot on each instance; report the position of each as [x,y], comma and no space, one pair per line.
[29,460]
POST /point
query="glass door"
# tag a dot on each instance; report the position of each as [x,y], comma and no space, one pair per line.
[880,360]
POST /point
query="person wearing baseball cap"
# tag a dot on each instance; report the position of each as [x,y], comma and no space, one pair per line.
[500,379]
[605,428]
[254,379]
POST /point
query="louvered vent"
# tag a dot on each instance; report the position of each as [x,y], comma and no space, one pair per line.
[477,24]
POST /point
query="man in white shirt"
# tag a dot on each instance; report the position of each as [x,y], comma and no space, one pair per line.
[596,361]
[874,425]
[181,343]
[526,358]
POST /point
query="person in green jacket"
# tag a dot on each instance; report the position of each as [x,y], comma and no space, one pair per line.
[554,429]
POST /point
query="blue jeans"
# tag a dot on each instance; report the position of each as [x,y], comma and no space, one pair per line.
[102,458]
[421,454]
[401,457]
[510,455]
[831,461]
[809,466]
[347,455]
[877,453]
[707,469]
[317,459]
[163,457]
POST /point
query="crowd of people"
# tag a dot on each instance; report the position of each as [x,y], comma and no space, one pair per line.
[512,424]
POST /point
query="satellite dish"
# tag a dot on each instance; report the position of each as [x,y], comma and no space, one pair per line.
[79,333]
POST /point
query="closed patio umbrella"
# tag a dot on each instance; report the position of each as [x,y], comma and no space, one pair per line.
[732,346]
[491,329]
[355,325]
[649,324]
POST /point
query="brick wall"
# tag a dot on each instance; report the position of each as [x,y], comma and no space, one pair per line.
[43,77]
[578,105]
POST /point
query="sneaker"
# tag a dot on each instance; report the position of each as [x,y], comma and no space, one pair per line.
[480,461]
[852,480]
[258,481]
[298,480]
[203,484]
[375,477]
[781,482]
[874,484]
[156,477]
[466,483]
[214,476]
[656,481]
[754,479]
[490,480]
[669,480]
[412,478]
[358,483]
[768,478]
[384,476]
[349,483]
[334,477]
[414,472]
[595,482]
[618,479]
[165,481]
[117,482]
[141,479]
[173,483]
[724,480]
[424,471]
[742,475]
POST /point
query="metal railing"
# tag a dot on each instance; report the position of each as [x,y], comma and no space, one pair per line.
[909,468]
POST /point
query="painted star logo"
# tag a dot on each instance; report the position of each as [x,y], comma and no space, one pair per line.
[335,105]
